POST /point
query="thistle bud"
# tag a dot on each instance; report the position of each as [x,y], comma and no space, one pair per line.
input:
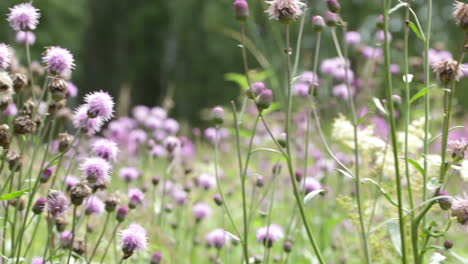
[332,19]
[155,180]
[46,174]
[121,213]
[24,125]
[57,88]
[19,82]
[277,168]
[448,244]
[14,160]
[259,181]
[156,258]
[217,199]
[241,10]
[217,115]
[282,140]
[5,136]
[318,24]
[265,99]
[287,246]
[39,206]
[79,192]
[380,22]
[255,89]
[61,224]
[65,141]
[334,6]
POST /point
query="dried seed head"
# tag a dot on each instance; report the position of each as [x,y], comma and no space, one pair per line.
[61,224]
[14,160]
[285,10]
[79,192]
[56,106]
[24,125]
[111,202]
[57,88]
[5,136]
[461,14]
[447,70]
[20,81]
[6,89]
[79,247]
[65,140]
[28,108]
[460,210]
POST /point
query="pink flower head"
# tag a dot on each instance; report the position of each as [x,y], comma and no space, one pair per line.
[11,110]
[129,174]
[270,234]
[6,55]
[180,196]
[66,238]
[201,211]
[39,260]
[24,17]
[135,197]
[285,10]
[71,181]
[206,181]
[106,149]
[96,170]
[58,60]
[100,104]
[94,206]
[171,126]
[133,238]
[311,184]
[72,89]
[217,238]
[353,38]
[26,37]
[82,121]
[141,112]
[57,203]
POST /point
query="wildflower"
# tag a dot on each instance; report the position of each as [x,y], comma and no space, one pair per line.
[58,60]
[265,99]
[461,14]
[39,260]
[133,238]
[66,238]
[46,174]
[206,181]
[6,89]
[86,124]
[444,203]
[311,184]
[156,258]
[460,210]
[269,234]
[332,19]
[79,192]
[218,199]
[111,203]
[94,206]
[201,211]
[14,160]
[100,104]
[23,17]
[57,203]
[255,89]
[57,87]
[39,206]
[121,213]
[96,170]
[318,24]
[129,174]
[5,136]
[241,10]
[217,115]
[180,196]
[353,38]
[217,238]
[65,140]
[135,197]
[61,224]
[447,70]
[24,125]
[6,55]
[155,180]
[171,143]
[334,6]
[448,244]
[26,37]
[458,148]
[285,10]
[20,81]
[71,181]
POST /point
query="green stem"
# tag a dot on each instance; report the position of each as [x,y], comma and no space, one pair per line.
[73,234]
[100,238]
[393,134]
[110,242]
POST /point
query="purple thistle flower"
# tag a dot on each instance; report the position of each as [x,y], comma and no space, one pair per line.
[270,234]
[201,211]
[311,184]
[11,110]
[217,238]
[206,181]
[121,213]
[180,196]
[39,205]
[96,170]
[6,55]
[94,206]
[353,38]
[23,17]
[141,113]
[129,174]
[72,90]
[133,238]
[58,60]
[66,238]
[156,258]
[39,260]
[171,126]
[26,37]
[106,149]
[57,203]
[71,181]
[135,197]
[82,121]
[100,104]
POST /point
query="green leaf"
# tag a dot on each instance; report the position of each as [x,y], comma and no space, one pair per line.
[395,235]
[382,190]
[419,94]
[364,117]
[267,150]
[346,174]
[417,166]
[237,78]
[312,195]
[13,195]
[416,31]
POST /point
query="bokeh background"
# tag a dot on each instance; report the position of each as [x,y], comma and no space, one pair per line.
[143,51]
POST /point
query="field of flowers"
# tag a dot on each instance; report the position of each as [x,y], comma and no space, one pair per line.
[354,158]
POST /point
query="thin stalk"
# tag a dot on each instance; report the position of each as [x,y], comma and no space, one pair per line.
[393,134]
[246,71]
[357,183]
[28,57]
[100,237]
[110,242]
[297,195]
[73,233]
[32,237]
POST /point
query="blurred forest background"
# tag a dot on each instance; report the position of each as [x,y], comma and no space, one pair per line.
[185,47]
